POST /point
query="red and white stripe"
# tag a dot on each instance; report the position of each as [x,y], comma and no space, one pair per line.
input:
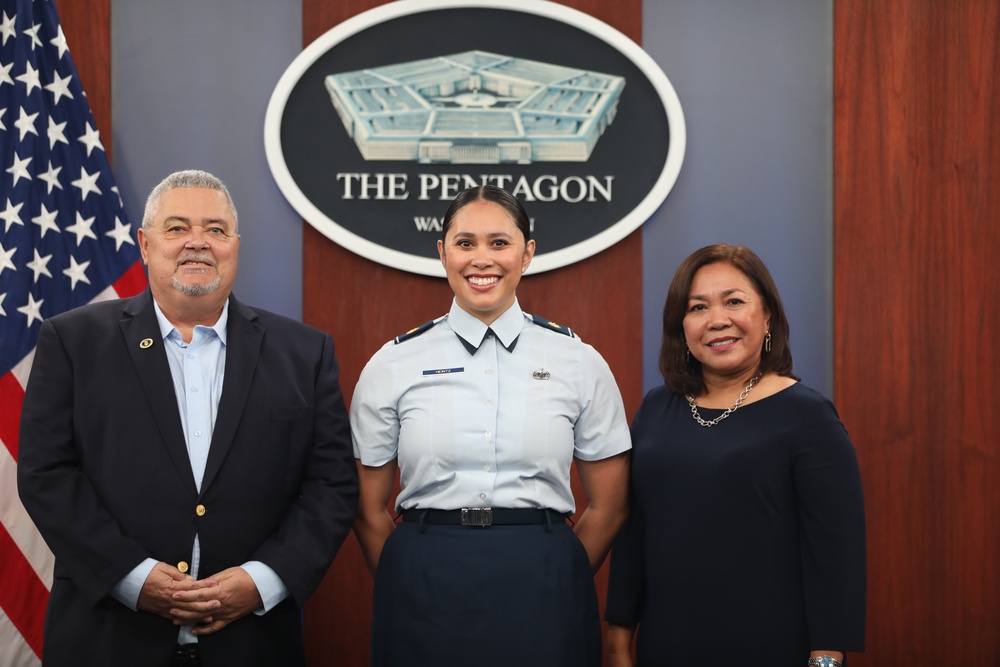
[25,560]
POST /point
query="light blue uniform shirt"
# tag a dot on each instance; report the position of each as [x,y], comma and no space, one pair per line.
[198,369]
[496,426]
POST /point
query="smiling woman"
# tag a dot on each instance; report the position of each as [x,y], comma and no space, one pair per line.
[483,412]
[726,324]
[485,250]
[763,506]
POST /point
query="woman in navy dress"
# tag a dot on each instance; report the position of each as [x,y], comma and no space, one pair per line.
[746,542]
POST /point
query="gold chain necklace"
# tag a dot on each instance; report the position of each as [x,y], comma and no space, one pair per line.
[732,408]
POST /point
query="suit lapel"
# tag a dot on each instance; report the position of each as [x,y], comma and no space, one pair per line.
[145,347]
[244,337]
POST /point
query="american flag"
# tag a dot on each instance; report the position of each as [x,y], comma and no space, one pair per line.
[65,241]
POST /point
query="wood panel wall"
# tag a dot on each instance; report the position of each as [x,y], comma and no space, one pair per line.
[916,248]
[363,304]
[87,27]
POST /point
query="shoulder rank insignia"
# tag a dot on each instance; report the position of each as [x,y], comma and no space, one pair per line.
[416,331]
[552,326]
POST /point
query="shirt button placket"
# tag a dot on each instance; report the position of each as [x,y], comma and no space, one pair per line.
[491,403]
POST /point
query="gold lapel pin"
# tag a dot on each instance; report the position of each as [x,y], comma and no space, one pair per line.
[146,343]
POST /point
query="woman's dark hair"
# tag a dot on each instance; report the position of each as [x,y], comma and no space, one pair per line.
[681,371]
[493,194]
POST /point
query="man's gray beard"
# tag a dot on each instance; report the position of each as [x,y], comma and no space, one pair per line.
[197,290]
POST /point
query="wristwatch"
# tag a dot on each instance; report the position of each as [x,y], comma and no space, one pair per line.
[825,661]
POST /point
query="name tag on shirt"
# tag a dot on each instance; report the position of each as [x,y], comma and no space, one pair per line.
[442,371]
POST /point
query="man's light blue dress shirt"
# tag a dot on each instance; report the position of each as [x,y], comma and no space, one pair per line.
[198,369]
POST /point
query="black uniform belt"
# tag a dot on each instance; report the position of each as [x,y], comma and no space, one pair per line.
[483,516]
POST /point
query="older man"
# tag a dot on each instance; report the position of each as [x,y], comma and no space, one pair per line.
[186,457]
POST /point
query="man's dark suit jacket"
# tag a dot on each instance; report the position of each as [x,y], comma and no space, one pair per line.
[104,472]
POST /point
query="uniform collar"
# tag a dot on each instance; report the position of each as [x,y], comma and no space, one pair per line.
[471,331]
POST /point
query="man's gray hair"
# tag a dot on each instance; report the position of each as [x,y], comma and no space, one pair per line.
[189,178]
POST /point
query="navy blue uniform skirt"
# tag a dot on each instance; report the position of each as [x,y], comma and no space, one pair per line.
[500,596]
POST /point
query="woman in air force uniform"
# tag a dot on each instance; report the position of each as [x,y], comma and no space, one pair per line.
[483,412]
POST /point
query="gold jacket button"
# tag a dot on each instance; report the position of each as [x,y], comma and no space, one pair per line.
[183,567]
[200,510]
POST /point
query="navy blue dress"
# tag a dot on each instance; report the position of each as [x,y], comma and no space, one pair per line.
[747,539]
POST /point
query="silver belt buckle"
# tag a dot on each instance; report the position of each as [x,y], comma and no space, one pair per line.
[477,516]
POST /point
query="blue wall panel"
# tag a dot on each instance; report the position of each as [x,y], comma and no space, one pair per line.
[756,83]
[190,84]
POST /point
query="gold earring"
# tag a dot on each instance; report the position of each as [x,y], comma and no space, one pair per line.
[767,340]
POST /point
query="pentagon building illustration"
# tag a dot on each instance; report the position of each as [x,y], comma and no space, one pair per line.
[475,108]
